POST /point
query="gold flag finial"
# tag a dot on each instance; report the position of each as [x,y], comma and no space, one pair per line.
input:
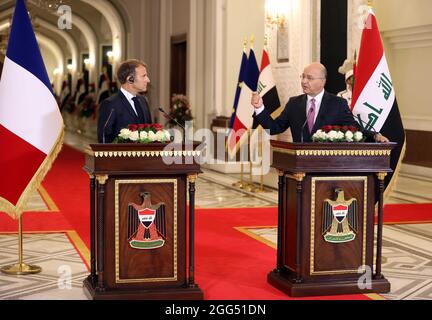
[370,3]
[252,41]
[355,55]
[266,40]
[245,43]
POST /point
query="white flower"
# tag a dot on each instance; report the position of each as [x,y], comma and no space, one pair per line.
[152,136]
[134,136]
[143,135]
[340,135]
[160,136]
[349,136]
[333,135]
[358,136]
[125,133]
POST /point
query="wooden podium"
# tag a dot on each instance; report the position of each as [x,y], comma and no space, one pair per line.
[327,195]
[140,229]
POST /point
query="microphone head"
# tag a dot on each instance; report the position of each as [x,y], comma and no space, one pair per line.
[161,110]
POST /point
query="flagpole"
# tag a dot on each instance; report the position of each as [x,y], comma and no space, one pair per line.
[21,268]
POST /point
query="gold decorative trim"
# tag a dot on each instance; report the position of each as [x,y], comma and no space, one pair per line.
[117,231]
[381,175]
[102,179]
[299,177]
[335,153]
[145,154]
[247,231]
[15,211]
[312,229]
[192,178]
[91,176]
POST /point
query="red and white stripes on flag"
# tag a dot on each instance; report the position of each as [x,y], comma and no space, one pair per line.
[374,98]
[267,86]
[31,126]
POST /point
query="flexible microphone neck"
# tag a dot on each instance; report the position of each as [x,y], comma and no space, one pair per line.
[362,123]
[302,130]
[171,118]
[106,124]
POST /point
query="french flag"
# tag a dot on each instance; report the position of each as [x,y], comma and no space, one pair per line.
[31,126]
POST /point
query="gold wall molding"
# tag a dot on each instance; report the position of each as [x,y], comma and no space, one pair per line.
[102,179]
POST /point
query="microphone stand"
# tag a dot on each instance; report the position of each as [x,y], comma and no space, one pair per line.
[106,123]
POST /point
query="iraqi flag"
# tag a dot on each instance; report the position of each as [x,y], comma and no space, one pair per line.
[243,120]
[267,86]
[31,126]
[374,98]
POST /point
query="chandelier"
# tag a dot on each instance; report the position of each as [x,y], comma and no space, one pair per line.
[276,12]
[50,5]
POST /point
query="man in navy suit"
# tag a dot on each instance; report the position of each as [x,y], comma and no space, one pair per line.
[127,106]
[307,113]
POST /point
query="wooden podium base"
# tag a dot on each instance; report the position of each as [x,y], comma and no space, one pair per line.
[323,288]
[156,294]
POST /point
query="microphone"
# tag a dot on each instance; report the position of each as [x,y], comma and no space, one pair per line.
[302,130]
[171,118]
[361,123]
[106,123]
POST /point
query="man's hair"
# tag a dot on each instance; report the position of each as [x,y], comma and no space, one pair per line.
[127,69]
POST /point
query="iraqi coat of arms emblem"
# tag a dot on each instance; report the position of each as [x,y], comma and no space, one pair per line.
[146,224]
[340,219]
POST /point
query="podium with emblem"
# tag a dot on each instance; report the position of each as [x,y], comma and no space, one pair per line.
[328,197]
[141,229]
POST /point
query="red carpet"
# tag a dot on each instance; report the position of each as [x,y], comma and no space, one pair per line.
[229,263]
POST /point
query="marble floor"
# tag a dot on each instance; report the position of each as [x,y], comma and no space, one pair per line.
[407,249]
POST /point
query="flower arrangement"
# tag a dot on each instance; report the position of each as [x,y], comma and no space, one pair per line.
[180,110]
[338,134]
[143,133]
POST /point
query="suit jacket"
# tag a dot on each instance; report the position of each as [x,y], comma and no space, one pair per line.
[116,113]
[333,111]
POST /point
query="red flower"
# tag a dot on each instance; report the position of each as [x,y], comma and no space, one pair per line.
[141,126]
[133,127]
[158,126]
[352,129]
[336,128]
[327,128]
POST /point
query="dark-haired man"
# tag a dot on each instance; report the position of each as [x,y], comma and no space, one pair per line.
[127,106]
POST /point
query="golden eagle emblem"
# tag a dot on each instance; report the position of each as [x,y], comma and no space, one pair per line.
[146,224]
[340,220]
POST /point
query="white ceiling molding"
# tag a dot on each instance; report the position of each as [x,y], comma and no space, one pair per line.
[414,37]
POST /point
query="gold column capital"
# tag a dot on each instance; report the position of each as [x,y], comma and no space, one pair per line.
[381,175]
[102,178]
[91,176]
[192,178]
[299,176]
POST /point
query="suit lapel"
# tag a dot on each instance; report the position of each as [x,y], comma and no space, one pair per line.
[127,105]
[321,114]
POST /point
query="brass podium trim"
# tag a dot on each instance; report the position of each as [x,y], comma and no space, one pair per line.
[117,231]
[334,153]
[145,154]
[312,230]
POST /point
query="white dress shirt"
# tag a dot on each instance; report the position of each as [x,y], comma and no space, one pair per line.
[129,97]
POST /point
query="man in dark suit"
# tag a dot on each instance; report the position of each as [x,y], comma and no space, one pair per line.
[127,106]
[307,113]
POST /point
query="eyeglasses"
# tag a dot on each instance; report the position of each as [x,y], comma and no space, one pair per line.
[309,78]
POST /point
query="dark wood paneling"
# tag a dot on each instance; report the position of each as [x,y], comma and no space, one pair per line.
[418,148]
